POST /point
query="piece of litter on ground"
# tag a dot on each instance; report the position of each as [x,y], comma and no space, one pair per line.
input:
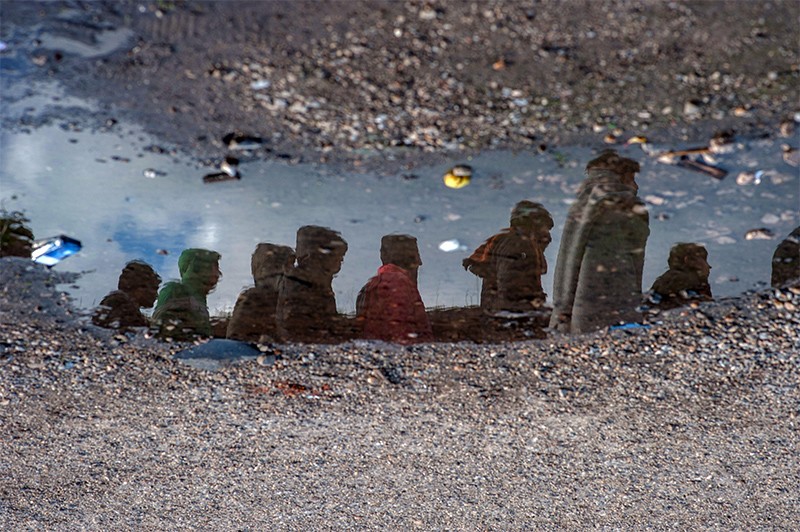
[762,233]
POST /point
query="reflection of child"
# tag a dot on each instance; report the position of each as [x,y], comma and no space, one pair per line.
[686,279]
[181,311]
[389,306]
[138,288]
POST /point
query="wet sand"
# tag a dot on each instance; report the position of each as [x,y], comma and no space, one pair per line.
[691,424]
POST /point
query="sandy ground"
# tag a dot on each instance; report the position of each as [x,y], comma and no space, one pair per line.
[691,424]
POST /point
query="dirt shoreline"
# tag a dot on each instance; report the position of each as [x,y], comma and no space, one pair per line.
[404,83]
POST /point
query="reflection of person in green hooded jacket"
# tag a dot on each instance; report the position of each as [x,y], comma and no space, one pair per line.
[181,311]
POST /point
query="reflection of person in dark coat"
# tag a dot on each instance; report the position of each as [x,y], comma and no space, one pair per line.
[786,261]
[306,303]
[686,280]
[511,263]
[253,317]
[389,306]
[598,276]
[138,288]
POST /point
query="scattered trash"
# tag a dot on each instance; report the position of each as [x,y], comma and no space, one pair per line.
[3,46]
[628,326]
[459,176]
[240,141]
[452,245]
[151,173]
[757,177]
[770,219]
[722,142]
[162,252]
[713,171]
[762,233]
[51,251]
[725,240]
[229,171]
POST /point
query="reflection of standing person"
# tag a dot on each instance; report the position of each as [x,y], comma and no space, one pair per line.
[686,280]
[253,316]
[306,303]
[182,311]
[389,305]
[512,262]
[786,261]
[598,276]
[138,288]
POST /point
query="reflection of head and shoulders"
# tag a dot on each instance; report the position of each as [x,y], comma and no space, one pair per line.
[598,274]
[182,310]
[686,280]
[786,261]
[389,306]
[306,301]
[254,313]
[137,289]
[512,261]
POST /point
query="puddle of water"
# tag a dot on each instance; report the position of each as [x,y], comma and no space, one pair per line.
[95,187]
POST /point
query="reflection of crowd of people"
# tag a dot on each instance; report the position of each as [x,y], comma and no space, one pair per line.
[597,281]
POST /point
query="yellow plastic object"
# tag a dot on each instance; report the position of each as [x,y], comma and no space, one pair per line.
[458,176]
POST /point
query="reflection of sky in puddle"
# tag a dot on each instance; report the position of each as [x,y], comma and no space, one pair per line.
[120,215]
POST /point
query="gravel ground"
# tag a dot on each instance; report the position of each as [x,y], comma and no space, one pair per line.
[691,424]
[338,80]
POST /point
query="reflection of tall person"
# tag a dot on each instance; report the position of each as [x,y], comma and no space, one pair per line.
[598,276]
[181,311]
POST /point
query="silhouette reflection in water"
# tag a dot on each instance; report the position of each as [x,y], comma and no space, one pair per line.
[389,306]
[512,262]
[16,238]
[137,289]
[686,280]
[786,261]
[253,317]
[182,312]
[306,302]
[598,276]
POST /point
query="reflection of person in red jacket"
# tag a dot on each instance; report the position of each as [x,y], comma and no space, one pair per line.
[389,306]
